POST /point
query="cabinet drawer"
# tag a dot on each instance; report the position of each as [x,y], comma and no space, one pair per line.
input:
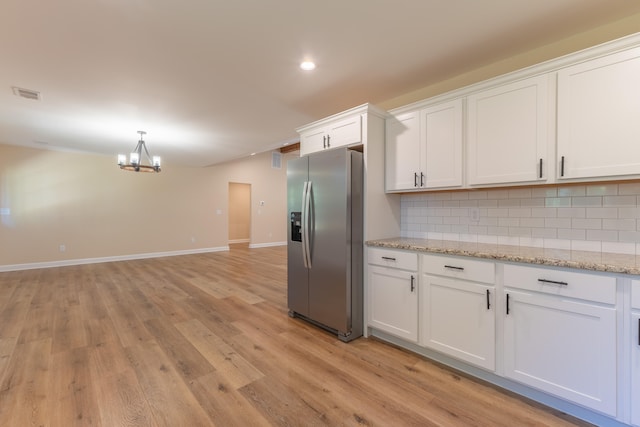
[392,258]
[459,268]
[564,283]
[635,294]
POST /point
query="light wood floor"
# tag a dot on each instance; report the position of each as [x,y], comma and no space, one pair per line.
[205,340]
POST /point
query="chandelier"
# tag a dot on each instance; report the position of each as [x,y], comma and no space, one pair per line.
[135,158]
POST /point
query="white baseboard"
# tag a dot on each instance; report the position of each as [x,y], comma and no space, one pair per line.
[266,245]
[239,241]
[68,262]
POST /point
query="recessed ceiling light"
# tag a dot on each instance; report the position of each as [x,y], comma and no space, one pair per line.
[307,65]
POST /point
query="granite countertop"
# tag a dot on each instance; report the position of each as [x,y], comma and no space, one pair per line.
[596,261]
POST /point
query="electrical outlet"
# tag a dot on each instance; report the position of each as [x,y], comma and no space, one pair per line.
[62,248]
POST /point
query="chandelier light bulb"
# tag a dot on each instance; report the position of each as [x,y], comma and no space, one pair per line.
[134,158]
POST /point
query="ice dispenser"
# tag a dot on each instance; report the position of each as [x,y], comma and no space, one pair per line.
[296,225]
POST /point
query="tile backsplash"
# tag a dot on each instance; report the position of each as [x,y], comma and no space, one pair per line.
[603,217]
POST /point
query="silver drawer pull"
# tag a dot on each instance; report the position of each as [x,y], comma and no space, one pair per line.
[388,258]
[554,282]
[454,267]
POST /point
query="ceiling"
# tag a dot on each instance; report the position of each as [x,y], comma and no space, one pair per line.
[212,80]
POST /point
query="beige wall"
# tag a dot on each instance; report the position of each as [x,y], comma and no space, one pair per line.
[95,210]
[268,222]
[239,212]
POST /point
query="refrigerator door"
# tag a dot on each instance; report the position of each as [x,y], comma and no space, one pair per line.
[330,239]
[297,274]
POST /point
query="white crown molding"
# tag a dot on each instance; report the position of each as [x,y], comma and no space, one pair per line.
[550,66]
[360,109]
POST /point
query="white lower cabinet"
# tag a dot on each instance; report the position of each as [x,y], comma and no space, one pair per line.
[561,345]
[559,328]
[393,292]
[635,353]
[458,314]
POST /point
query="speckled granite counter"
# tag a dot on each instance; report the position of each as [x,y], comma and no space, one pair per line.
[596,261]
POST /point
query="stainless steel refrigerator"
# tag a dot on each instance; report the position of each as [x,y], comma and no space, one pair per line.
[324,192]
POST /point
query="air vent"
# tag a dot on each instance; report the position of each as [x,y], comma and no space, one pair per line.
[276,160]
[26,93]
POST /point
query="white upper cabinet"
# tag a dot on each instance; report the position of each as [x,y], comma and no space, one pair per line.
[424,148]
[441,127]
[507,133]
[574,118]
[403,162]
[312,141]
[598,117]
[335,133]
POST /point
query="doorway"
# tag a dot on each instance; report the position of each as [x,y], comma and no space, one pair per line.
[239,214]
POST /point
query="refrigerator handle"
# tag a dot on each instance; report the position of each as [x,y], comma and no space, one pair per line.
[307,214]
[304,224]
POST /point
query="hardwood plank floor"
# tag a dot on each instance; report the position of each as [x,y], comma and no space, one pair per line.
[205,340]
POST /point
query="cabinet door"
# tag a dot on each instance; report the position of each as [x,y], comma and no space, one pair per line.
[345,132]
[563,347]
[393,302]
[507,133]
[442,145]
[403,156]
[312,141]
[635,368]
[458,319]
[598,126]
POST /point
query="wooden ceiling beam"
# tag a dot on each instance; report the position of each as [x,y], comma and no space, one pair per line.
[289,148]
